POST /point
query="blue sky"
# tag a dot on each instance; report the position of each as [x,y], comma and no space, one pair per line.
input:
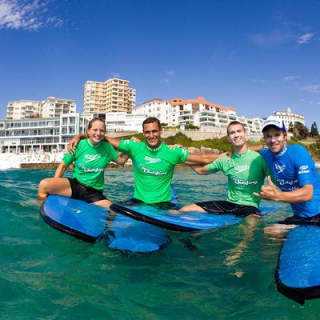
[255,56]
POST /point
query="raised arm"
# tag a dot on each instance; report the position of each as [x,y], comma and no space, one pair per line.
[113,141]
[200,169]
[202,158]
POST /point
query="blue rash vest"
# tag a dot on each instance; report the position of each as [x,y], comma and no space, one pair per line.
[291,169]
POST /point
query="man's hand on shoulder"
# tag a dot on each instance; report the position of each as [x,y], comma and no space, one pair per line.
[135,139]
[74,142]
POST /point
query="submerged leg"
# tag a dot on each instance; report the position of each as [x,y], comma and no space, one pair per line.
[188,208]
[278,230]
[103,203]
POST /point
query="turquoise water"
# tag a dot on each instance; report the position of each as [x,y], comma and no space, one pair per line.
[45,274]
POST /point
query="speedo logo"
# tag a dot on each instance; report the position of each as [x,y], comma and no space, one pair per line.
[91,157]
[242,168]
[152,160]
[304,169]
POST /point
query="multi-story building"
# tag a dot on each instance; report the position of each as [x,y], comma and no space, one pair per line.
[162,109]
[45,134]
[23,109]
[198,112]
[113,95]
[121,121]
[48,108]
[53,107]
[289,118]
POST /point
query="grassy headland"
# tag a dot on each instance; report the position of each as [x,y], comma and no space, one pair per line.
[222,144]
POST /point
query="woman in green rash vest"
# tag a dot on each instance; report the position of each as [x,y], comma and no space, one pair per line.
[90,158]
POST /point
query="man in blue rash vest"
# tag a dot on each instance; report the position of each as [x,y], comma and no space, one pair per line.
[294,173]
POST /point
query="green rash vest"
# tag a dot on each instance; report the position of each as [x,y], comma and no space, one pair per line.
[152,169]
[246,173]
[90,162]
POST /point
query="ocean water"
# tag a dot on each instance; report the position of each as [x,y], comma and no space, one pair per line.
[45,274]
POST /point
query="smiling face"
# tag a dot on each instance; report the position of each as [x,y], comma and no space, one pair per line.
[152,134]
[96,131]
[275,139]
[237,136]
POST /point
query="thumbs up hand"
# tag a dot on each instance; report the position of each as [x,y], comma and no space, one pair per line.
[269,191]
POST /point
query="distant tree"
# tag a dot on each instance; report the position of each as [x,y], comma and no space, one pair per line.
[290,129]
[300,131]
[190,126]
[314,130]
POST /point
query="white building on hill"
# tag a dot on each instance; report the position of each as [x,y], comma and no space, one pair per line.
[198,112]
[289,118]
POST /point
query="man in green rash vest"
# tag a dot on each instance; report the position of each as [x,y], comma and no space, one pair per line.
[246,171]
[153,162]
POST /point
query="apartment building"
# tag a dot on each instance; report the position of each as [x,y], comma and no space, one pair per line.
[121,121]
[113,95]
[51,107]
[198,112]
[45,134]
[162,109]
[23,109]
[54,107]
[289,118]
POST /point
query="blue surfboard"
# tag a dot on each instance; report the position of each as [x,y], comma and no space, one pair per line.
[77,218]
[90,223]
[298,270]
[159,215]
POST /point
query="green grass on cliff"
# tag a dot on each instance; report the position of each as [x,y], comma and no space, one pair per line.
[222,144]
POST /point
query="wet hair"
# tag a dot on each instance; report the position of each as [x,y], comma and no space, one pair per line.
[232,123]
[151,120]
[94,120]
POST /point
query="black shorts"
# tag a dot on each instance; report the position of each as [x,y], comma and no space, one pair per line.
[315,220]
[82,192]
[226,207]
[159,205]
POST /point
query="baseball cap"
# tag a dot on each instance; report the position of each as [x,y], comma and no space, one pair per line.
[274,121]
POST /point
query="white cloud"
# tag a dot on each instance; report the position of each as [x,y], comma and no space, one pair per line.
[165,80]
[170,73]
[290,78]
[270,40]
[24,14]
[305,38]
[314,88]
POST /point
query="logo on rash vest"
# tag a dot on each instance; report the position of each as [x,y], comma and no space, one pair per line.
[280,168]
[304,169]
[91,157]
[151,160]
[242,168]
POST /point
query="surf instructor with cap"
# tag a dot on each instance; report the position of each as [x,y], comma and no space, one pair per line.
[294,173]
